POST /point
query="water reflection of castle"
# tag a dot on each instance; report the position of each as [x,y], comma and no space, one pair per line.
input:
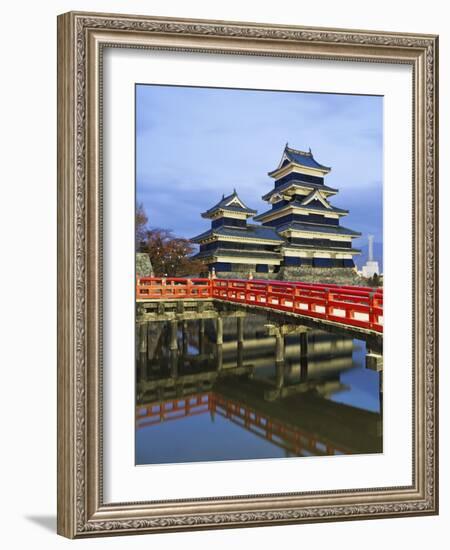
[273,381]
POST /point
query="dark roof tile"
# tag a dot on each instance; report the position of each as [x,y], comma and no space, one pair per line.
[318,228]
[223,205]
[238,253]
[299,183]
[302,158]
[297,204]
[249,232]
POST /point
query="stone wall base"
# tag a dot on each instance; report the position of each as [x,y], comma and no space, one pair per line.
[143,265]
[308,274]
[244,275]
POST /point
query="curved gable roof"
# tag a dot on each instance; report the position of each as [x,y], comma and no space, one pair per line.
[231,203]
[302,158]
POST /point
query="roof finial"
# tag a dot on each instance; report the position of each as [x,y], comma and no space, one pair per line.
[234,191]
[223,196]
[310,151]
[287,145]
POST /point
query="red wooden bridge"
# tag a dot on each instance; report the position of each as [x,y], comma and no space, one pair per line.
[353,306]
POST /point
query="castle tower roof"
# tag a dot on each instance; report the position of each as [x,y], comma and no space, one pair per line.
[301,159]
[229,203]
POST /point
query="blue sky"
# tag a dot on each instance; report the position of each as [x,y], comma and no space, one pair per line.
[193,144]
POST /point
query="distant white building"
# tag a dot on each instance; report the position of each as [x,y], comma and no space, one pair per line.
[371,267]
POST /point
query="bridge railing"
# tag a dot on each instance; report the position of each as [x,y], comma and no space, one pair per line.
[152,288]
[355,306]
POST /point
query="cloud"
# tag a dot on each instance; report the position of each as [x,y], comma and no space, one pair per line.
[193,144]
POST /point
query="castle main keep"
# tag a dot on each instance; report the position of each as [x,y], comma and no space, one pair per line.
[299,236]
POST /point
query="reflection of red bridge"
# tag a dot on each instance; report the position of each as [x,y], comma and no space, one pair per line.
[286,436]
[346,305]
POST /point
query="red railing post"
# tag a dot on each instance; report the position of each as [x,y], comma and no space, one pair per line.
[372,315]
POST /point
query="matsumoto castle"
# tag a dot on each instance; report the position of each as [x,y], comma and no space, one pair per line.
[300,232]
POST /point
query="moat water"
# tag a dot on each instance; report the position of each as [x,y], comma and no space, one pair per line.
[236,388]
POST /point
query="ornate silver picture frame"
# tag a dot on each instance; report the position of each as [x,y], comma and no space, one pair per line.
[82,40]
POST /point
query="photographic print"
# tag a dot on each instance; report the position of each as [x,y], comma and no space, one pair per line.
[259,274]
[234,200]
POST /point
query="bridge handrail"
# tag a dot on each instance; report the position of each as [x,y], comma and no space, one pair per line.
[355,290]
[355,293]
[172,287]
[356,306]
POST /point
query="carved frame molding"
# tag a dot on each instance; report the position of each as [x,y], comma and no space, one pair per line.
[81,39]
